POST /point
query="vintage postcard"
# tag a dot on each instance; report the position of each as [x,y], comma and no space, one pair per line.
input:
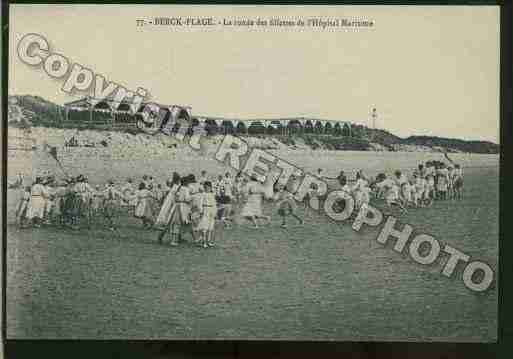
[253,172]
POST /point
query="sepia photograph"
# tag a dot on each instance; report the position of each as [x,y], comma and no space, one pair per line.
[299,173]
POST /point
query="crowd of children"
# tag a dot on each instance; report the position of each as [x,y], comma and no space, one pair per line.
[186,204]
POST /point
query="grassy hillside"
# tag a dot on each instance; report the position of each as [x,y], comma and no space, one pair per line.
[463,146]
[27,111]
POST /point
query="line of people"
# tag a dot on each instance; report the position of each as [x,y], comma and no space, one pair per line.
[186,204]
[182,204]
[431,181]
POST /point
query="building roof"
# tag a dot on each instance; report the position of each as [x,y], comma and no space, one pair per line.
[87,102]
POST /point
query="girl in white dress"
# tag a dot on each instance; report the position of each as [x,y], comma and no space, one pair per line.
[360,190]
[391,193]
[181,212]
[37,203]
[128,191]
[84,192]
[252,210]
[407,195]
[206,224]
[143,208]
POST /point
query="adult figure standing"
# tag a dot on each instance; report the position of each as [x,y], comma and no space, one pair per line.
[37,204]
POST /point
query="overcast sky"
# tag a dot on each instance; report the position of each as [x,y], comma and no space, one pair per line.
[427,70]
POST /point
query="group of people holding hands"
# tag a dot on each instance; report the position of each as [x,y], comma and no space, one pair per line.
[195,204]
